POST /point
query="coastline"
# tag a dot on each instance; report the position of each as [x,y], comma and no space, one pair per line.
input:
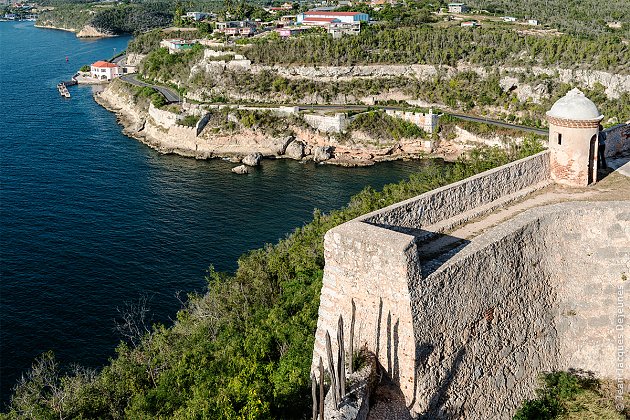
[138,122]
[88,31]
[44,26]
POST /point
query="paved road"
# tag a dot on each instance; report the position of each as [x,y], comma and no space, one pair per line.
[171,95]
[459,116]
[500,123]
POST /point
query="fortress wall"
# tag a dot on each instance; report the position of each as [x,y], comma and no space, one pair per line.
[617,140]
[373,266]
[428,122]
[534,294]
[471,193]
[164,118]
[335,124]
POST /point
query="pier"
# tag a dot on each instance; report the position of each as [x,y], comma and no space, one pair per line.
[63,90]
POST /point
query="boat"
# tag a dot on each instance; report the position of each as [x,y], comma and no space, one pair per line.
[63,90]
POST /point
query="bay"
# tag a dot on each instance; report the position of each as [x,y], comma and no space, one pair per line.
[91,219]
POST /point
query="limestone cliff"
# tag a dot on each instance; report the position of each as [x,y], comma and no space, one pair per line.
[160,129]
[89,31]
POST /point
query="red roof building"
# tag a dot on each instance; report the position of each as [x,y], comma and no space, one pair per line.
[345,17]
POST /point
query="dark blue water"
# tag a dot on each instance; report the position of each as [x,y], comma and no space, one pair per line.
[91,219]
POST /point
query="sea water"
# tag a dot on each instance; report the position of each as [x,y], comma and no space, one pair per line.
[91,219]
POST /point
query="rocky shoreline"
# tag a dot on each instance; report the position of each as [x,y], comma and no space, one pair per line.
[142,122]
[87,31]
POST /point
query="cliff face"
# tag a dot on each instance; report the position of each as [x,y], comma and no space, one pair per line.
[89,31]
[160,129]
[615,84]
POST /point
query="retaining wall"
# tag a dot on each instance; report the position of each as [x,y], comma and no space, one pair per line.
[334,124]
[428,122]
[164,118]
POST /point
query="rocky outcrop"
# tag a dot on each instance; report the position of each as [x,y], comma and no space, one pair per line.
[134,59]
[241,170]
[322,153]
[252,159]
[295,150]
[89,31]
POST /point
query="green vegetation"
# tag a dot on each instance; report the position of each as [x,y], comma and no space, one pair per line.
[243,349]
[66,16]
[428,45]
[162,66]
[567,395]
[157,99]
[109,18]
[584,17]
[189,120]
[381,126]
[85,68]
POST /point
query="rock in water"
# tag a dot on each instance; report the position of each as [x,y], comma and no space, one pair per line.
[253,159]
[282,144]
[241,170]
[322,153]
[295,150]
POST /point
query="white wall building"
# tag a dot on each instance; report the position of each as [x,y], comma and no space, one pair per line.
[345,17]
[104,70]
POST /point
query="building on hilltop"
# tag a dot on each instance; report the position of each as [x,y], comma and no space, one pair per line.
[339,29]
[177,45]
[104,70]
[315,16]
[458,8]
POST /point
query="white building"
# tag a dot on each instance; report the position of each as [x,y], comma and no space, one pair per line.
[532,22]
[508,19]
[197,16]
[177,45]
[339,29]
[315,17]
[457,8]
[104,70]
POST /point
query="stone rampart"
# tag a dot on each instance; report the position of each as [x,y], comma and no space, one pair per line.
[617,140]
[164,118]
[330,124]
[428,122]
[472,193]
[468,340]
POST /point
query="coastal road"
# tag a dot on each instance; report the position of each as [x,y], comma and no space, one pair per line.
[499,123]
[171,95]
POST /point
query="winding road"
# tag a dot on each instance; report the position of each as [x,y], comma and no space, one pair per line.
[172,96]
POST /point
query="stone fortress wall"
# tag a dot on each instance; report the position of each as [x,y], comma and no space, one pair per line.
[428,122]
[466,333]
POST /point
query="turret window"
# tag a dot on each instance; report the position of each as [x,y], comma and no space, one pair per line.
[559,139]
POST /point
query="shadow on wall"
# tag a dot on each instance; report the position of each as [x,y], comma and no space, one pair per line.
[613,165]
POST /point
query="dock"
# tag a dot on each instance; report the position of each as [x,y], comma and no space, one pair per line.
[63,90]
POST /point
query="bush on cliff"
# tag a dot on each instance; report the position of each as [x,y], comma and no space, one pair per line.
[572,395]
[241,350]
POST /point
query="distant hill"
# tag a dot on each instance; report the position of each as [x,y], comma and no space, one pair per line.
[584,17]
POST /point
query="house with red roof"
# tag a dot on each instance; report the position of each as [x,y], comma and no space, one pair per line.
[104,70]
[324,18]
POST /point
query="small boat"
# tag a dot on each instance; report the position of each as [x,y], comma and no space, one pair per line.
[63,90]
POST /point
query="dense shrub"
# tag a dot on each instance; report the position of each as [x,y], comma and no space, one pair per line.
[243,348]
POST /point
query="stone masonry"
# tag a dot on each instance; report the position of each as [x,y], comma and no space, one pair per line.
[466,332]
